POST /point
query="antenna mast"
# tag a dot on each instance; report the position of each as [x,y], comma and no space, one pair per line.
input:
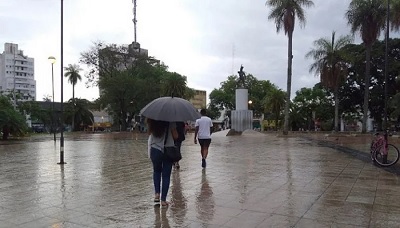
[134,16]
[233,57]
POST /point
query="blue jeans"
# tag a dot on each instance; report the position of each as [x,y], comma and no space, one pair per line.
[161,171]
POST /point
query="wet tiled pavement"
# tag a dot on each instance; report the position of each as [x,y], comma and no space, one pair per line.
[253,180]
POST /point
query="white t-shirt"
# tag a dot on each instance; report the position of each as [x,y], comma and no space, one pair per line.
[204,124]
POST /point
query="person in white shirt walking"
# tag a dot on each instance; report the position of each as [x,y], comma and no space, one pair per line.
[203,133]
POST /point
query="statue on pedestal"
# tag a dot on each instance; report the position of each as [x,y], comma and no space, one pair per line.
[242,76]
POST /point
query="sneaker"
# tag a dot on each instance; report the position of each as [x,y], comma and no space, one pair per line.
[203,163]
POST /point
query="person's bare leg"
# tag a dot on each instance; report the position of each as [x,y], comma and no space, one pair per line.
[202,152]
[203,159]
[205,152]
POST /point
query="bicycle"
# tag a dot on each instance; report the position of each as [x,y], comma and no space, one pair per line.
[382,152]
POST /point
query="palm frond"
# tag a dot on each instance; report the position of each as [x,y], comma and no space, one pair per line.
[285,12]
[367,17]
[395,15]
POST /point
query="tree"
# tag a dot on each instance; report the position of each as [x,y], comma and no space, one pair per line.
[307,101]
[330,65]
[72,73]
[39,113]
[274,103]
[395,105]
[128,80]
[368,18]
[284,13]
[80,112]
[258,90]
[175,85]
[351,92]
[224,97]
[11,121]
[213,112]
[395,14]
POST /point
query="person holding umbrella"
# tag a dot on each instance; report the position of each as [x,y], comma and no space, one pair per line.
[162,134]
[162,114]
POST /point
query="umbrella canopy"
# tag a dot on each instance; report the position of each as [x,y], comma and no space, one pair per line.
[170,109]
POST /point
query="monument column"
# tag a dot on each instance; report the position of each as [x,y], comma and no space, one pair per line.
[242,117]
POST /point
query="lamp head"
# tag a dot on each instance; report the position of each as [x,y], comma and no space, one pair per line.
[52,59]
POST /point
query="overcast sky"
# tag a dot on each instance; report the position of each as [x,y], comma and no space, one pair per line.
[204,40]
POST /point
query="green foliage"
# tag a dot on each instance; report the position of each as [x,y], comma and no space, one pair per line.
[274,104]
[395,14]
[284,13]
[352,91]
[173,85]
[367,17]
[258,90]
[80,112]
[307,101]
[128,80]
[72,73]
[224,97]
[213,112]
[37,114]
[330,65]
[11,121]
[395,106]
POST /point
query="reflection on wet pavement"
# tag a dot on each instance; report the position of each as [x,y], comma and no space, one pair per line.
[253,180]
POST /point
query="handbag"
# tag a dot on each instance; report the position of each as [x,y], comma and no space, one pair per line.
[171,152]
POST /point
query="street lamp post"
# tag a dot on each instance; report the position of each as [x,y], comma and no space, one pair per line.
[52,60]
[386,65]
[62,85]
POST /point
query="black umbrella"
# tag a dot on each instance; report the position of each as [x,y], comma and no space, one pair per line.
[170,109]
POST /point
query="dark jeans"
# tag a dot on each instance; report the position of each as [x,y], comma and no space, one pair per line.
[161,171]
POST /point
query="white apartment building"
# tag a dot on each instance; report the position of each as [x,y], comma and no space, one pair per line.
[17,73]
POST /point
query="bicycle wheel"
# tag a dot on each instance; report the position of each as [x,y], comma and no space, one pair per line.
[391,158]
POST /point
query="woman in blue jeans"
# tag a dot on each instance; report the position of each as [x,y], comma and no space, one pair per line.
[161,165]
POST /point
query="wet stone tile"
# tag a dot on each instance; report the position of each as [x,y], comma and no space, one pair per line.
[312,223]
[256,180]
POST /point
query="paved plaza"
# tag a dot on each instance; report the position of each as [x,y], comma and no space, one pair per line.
[252,180]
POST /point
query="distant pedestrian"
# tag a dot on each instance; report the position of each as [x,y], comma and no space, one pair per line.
[204,127]
[180,129]
[162,166]
[187,128]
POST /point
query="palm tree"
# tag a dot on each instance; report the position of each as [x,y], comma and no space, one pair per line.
[395,14]
[274,103]
[72,73]
[82,114]
[284,13]
[330,65]
[174,85]
[367,17]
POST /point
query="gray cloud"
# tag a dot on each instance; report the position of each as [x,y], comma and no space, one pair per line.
[205,40]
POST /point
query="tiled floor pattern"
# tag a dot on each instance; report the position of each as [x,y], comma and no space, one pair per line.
[253,180]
